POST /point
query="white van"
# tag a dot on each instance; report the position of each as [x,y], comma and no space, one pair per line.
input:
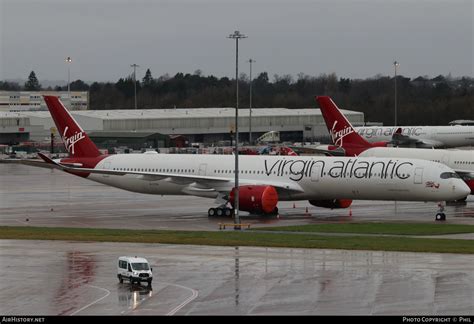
[134,269]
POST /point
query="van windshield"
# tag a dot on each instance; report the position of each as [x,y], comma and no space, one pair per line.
[140,266]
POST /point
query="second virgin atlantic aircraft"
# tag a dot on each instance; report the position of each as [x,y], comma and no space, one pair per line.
[350,143]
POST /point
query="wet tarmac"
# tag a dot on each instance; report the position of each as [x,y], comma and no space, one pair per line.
[42,197]
[71,278]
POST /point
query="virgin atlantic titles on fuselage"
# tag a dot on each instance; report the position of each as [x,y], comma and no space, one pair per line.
[264,180]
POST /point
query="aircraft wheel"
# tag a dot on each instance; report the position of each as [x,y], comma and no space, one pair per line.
[440,217]
[219,212]
[272,213]
[228,212]
[211,212]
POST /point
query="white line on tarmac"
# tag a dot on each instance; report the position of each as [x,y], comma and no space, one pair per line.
[194,295]
[94,302]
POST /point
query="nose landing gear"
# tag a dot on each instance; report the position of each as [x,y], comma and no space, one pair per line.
[440,215]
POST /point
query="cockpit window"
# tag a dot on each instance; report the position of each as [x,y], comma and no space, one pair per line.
[447,175]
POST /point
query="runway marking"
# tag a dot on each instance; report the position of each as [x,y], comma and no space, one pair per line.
[94,302]
[194,295]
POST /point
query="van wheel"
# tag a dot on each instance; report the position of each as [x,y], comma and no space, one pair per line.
[149,282]
[120,278]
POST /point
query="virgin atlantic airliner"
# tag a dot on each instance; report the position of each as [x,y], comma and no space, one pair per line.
[264,180]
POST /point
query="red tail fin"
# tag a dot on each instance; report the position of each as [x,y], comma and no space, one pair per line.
[339,127]
[77,143]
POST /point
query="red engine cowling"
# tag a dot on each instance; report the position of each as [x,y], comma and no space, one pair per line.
[256,199]
[332,203]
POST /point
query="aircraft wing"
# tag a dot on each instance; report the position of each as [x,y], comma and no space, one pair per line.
[319,150]
[399,139]
[195,182]
[30,162]
[465,174]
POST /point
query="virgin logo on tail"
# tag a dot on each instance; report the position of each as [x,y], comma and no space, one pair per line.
[338,136]
[70,141]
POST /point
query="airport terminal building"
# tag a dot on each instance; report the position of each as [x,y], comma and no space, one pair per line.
[33,100]
[198,125]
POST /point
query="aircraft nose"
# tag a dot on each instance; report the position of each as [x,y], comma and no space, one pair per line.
[461,188]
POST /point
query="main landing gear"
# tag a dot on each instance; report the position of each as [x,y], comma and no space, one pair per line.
[440,215]
[220,211]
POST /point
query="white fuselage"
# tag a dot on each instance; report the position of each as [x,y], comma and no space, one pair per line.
[305,177]
[458,160]
[432,136]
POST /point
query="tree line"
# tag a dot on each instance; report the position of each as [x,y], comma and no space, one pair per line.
[420,101]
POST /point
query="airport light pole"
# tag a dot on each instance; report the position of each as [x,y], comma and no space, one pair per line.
[134,66]
[236,35]
[250,105]
[395,65]
[68,61]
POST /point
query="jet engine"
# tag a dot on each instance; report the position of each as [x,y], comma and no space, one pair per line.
[331,203]
[256,199]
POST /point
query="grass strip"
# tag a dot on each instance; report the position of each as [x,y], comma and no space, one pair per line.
[240,238]
[378,228]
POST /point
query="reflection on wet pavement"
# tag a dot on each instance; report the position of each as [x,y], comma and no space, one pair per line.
[46,278]
[80,271]
[130,296]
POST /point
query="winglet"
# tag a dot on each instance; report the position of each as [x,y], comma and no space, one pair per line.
[47,159]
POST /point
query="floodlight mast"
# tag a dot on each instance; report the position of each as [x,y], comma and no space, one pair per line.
[236,35]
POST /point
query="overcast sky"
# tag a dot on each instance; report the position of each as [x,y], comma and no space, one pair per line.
[353,38]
